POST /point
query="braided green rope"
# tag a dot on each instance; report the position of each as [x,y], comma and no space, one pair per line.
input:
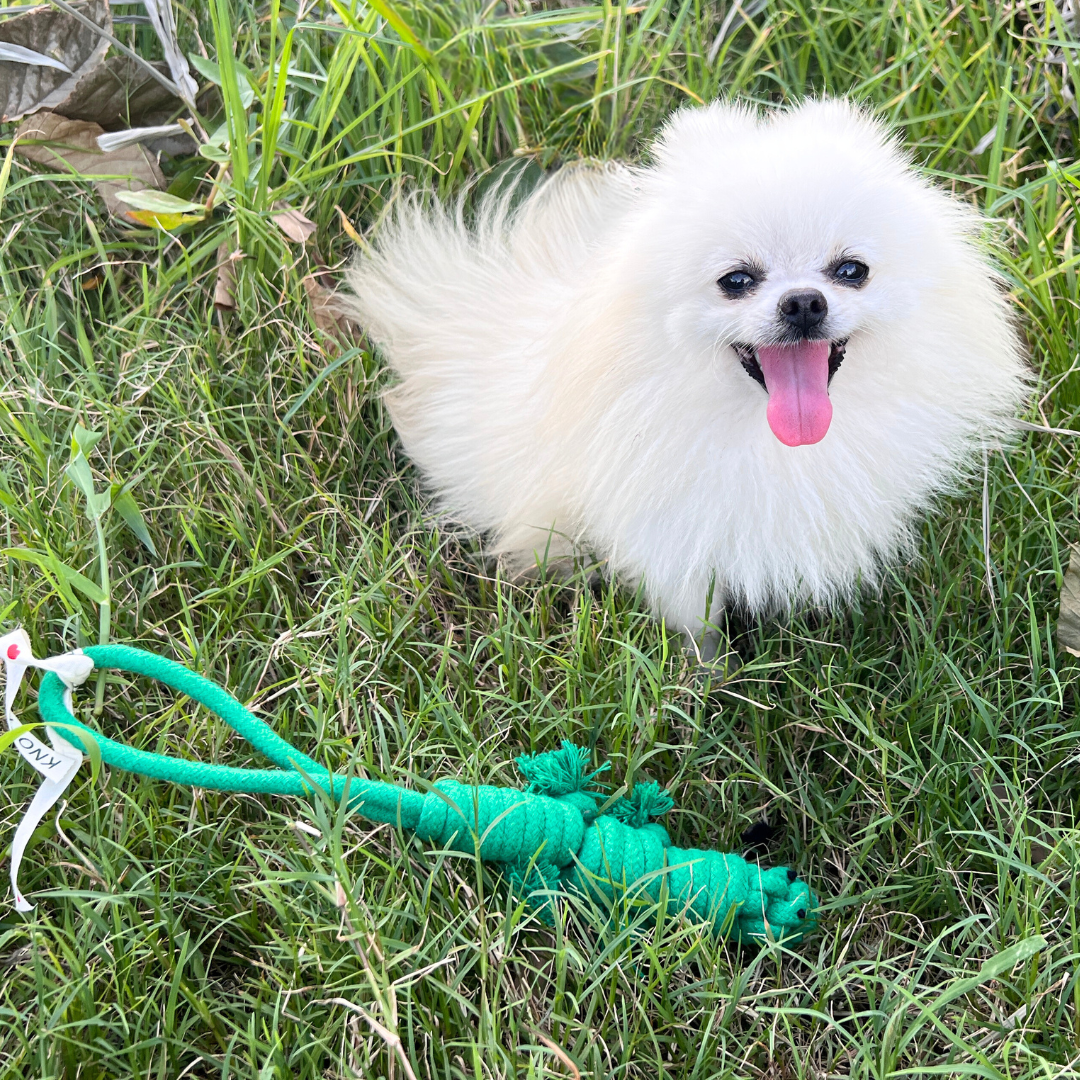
[550,837]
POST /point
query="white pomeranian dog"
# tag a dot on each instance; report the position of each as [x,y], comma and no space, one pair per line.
[736,375]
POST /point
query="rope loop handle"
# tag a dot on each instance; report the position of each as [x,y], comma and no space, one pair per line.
[297,775]
[286,780]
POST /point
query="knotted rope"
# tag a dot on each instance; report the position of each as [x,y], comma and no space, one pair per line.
[550,838]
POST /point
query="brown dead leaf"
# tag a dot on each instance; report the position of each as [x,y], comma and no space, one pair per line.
[330,310]
[101,85]
[1069,615]
[71,145]
[295,225]
[225,281]
[118,93]
[25,88]
[164,23]
[559,1052]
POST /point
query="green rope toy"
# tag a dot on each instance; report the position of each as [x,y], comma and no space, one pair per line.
[549,838]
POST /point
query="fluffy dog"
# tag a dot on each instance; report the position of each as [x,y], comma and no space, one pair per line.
[740,372]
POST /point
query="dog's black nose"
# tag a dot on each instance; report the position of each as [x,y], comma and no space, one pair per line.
[803,308]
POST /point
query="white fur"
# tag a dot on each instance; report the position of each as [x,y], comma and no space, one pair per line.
[565,378]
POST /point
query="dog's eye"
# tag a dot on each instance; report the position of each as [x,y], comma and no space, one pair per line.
[851,272]
[737,283]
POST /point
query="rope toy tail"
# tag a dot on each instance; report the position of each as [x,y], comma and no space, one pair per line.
[550,839]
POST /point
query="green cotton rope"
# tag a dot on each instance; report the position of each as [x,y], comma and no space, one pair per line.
[550,838]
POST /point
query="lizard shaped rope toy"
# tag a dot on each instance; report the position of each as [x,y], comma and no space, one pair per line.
[549,838]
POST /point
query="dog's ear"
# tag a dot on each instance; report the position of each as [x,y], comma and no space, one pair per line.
[693,127]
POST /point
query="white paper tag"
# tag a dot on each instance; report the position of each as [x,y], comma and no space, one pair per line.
[59,763]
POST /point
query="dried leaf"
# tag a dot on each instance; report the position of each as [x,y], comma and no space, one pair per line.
[25,88]
[294,225]
[1070,16]
[72,146]
[330,312]
[347,225]
[102,85]
[225,282]
[985,142]
[1069,615]
[118,92]
[16,54]
[114,140]
[161,18]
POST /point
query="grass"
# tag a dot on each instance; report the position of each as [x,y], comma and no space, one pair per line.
[921,752]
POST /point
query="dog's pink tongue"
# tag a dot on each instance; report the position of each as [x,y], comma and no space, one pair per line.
[797,378]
